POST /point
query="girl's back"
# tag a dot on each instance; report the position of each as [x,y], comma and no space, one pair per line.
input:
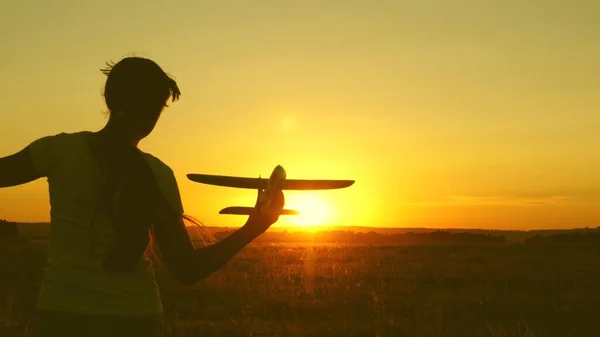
[82,233]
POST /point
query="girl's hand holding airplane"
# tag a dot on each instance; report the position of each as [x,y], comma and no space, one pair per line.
[266,214]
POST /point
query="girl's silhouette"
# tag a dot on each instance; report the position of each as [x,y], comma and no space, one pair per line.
[109,202]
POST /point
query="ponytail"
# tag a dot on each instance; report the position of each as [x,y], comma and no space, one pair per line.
[137,87]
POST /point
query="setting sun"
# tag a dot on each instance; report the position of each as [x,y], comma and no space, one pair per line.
[313,211]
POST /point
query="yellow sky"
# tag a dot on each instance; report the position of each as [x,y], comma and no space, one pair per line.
[447,113]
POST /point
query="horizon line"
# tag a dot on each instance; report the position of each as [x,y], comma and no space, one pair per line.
[329,227]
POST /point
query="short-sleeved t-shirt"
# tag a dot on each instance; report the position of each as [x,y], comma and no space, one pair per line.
[82,236]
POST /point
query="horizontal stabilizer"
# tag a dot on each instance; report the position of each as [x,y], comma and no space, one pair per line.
[239,210]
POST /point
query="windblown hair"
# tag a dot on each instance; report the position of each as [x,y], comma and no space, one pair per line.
[134,86]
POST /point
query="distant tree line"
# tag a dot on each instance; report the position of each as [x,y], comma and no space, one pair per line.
[348,237]
[8,229]
[578,238]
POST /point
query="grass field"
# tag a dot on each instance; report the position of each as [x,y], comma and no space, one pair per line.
[334,290]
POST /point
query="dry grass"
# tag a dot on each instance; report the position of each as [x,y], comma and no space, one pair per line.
[328,290]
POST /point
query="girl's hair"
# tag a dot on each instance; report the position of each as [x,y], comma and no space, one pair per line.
[140,88]
[137,84]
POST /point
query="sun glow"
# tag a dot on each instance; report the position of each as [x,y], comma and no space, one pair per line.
[313,211]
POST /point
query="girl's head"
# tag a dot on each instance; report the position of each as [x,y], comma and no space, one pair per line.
[136,92]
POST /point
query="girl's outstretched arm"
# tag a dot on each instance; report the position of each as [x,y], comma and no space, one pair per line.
[189,264]
[18,169]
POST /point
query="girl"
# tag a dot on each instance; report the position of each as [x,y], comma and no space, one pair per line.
[109,202]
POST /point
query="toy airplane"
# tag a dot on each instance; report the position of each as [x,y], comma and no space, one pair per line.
[276,181]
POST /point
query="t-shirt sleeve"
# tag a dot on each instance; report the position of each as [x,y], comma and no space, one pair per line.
[45,154]
[167,182]
[170,189]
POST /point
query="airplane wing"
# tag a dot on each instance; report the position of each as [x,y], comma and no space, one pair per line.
[255,183]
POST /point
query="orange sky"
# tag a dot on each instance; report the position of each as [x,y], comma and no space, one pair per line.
[447,113]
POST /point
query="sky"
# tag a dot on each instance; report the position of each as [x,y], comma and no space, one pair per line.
[473,114]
